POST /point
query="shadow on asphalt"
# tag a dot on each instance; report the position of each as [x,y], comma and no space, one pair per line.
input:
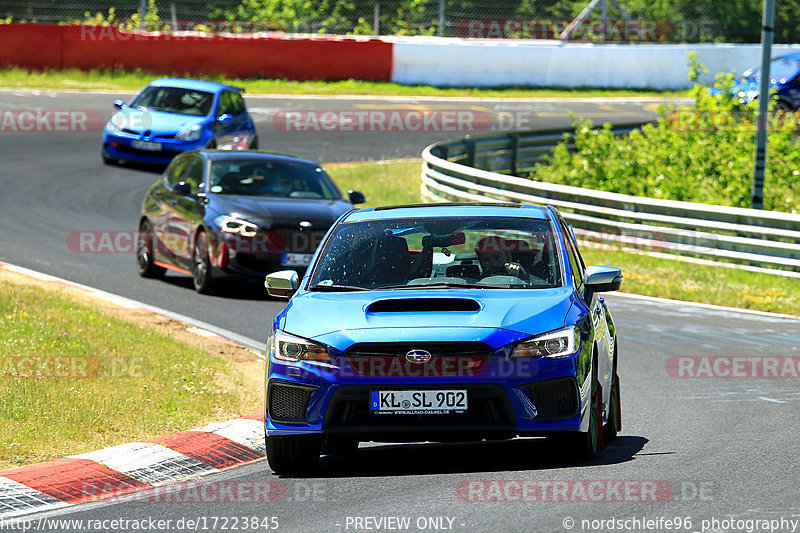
[471,457]
[139,167]
[229,289]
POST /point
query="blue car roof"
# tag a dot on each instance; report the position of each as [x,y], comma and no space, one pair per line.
[448,210]
[197,85]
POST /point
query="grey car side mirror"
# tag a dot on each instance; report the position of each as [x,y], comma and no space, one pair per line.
[356,197]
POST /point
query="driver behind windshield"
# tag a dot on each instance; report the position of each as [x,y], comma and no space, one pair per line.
[494,255]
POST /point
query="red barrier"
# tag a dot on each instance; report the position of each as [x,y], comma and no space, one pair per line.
[266,55]
[34,46]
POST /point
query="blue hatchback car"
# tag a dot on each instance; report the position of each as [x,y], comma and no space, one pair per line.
[173,115]
[442,322]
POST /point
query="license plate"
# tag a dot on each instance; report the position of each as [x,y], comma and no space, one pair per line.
[296,259]
[418,401]
[146,145]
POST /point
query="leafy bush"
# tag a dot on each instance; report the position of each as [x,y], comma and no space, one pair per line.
[698,153]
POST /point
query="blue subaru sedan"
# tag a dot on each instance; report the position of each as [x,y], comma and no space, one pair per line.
[173,115]
[784,76]
[442,322]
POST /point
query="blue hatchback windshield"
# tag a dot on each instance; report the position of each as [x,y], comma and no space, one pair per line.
[175,100]
[270,178]
[439,253]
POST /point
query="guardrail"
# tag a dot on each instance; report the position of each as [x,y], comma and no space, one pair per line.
[485,168]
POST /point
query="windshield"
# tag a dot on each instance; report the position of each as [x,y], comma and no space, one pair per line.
[781,69]
[175,100]
[439,253]
[271,178]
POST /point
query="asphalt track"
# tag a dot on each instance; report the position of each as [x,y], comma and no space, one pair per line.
[718,448]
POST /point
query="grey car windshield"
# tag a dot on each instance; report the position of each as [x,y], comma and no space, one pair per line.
[439,253]
[175,100]
[271,178]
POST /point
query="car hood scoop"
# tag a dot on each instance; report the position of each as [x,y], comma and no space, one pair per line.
[345,318]
[421,305]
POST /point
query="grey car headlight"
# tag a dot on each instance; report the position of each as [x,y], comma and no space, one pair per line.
[231,224]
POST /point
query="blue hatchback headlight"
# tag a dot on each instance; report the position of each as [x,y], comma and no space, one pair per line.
[112,128]
[561,343]
[192,133]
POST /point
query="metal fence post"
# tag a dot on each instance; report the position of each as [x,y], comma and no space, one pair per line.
[142,15]
[759,166]
[441,17]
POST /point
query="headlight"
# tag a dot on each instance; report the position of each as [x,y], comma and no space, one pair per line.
[286,347]
[561,343]
[112,128]
[230,224]
[191,133]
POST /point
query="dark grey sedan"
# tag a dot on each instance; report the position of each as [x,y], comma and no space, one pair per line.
[216,214]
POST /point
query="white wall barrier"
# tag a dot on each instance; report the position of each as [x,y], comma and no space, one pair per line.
[501,62]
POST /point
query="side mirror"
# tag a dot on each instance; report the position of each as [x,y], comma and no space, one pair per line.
[282,284]
[225,118]
[183,188]
[119,104]
[602,278]
[356,197]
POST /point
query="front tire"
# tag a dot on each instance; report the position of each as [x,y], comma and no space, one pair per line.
[580,446]
[614,424]
[201,271]
[145,253]
[782,106]
[292,455]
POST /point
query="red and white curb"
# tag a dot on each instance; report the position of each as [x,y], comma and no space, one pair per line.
[133,466]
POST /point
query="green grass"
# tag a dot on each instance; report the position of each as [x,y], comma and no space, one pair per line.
[386,183]
[382,182]
[682,280]
[123,80]
[106,382]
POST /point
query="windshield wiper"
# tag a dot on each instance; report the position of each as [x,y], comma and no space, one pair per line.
[336,288]
[443,285]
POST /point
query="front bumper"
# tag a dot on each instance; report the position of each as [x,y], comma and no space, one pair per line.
[268,252]
[119,147]
[507,398]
